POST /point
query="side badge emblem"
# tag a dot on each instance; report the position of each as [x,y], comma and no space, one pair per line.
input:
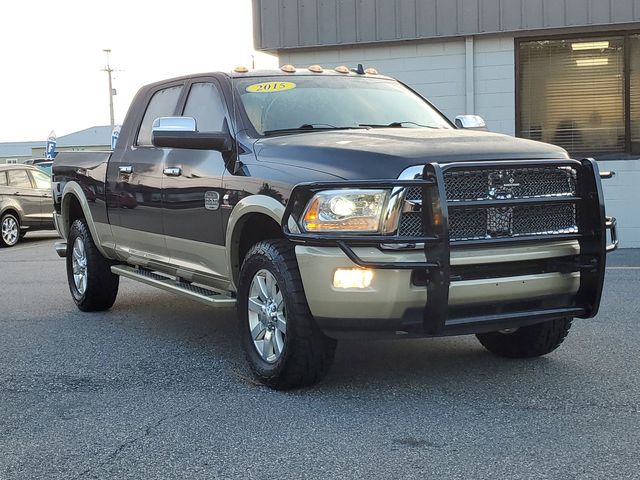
[211,200]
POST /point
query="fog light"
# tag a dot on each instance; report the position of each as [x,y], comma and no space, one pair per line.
[352,278]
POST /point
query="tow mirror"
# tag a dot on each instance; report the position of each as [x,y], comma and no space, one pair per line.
[471,122]
[182,132]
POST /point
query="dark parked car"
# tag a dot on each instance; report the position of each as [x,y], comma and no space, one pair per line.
[25,202]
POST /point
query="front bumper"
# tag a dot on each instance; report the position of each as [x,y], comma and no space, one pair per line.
[394,301]
[429,291]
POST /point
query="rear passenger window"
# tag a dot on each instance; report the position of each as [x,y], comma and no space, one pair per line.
[42,179]
[19,179]
[162,104]
[3,179]
[206,105]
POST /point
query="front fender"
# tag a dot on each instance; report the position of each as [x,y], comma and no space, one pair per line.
[260,204]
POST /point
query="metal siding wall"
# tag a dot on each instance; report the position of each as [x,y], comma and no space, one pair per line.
[327,22]
[511,15]
[621,11]
[347,24]
[407,19]
[289,22]
[577,12]
[446,17]
[300,23]
[532,13]
[269,23]
[385,20]
[469,19]
[554,13]
[599,11]
[489,16]
[308,20]
[426,16]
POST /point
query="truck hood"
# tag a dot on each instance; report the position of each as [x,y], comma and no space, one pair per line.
[384,153]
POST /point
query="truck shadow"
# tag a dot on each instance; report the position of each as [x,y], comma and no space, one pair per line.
[457,366]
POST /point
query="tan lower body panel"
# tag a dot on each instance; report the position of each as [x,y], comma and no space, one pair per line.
[197,262]
[391,292]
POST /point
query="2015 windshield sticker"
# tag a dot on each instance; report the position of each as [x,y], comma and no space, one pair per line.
[270,87]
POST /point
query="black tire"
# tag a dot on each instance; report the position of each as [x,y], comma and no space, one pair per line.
[6,242]
[307,354]
[527,342]
[102,285]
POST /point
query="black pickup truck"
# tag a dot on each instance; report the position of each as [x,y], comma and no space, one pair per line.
[330,203]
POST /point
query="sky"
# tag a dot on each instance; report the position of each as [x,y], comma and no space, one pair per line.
[51,56]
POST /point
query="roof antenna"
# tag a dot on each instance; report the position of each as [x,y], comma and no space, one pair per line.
[359,70]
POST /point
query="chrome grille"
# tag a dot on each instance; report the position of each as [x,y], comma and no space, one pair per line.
[535,182]
[476,223]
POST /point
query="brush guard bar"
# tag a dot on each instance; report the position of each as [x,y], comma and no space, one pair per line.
[592,238]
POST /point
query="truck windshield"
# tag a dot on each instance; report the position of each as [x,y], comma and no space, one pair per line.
[297,103]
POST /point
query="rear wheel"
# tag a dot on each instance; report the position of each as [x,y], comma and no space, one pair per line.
[9,230]
[283,345]
[92,285]
[526,342]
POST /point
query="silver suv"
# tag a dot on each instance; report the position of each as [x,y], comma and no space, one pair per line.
[25,202]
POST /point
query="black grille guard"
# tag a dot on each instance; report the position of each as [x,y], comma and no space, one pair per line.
[592,238]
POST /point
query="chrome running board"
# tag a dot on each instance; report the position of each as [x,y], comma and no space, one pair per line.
[175,285]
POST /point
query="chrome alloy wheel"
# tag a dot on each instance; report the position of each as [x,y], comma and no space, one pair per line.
[10,231]
[79,264]
[267,316]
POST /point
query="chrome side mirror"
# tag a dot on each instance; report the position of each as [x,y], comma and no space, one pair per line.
[471,122]
[182,132]
[174,124]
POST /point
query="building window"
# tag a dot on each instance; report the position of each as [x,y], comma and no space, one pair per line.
[578,93]
[634,94]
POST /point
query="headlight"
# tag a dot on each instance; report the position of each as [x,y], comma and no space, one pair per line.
[345,211]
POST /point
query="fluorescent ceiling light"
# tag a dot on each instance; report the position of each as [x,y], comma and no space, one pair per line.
[590,45]
[592,62]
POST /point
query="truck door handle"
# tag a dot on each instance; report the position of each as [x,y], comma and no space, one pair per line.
[172,171]
[127,169]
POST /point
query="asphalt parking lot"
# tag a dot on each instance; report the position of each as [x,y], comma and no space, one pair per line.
[157,388]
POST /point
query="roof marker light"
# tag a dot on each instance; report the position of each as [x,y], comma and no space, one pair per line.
[288,69]
[342,69]
[371,71]
[241,69]
[315,69]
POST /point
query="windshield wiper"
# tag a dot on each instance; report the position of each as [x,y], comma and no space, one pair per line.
[310,127]
[396,125]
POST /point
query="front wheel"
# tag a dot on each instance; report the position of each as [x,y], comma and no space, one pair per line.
[283,345]
[527,342]
[92,285]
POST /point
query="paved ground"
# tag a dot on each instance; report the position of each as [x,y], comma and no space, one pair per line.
[157,388]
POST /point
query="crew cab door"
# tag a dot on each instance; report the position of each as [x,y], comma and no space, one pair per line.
[191,188]
[135,181]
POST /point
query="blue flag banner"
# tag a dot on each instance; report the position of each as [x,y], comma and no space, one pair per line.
[50,151]
[114,136]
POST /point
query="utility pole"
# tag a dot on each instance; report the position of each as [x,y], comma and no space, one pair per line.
[112,91]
